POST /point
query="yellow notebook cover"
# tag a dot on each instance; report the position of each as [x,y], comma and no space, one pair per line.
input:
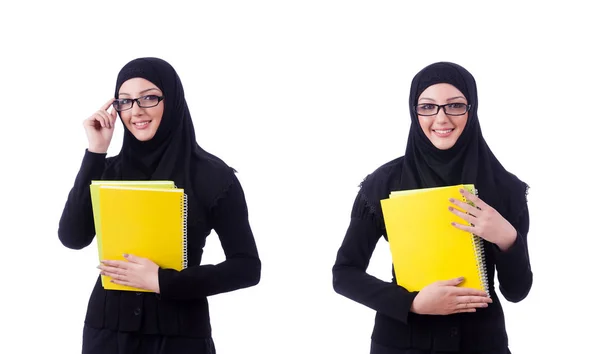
[94,188]
[425,247]
[146,222]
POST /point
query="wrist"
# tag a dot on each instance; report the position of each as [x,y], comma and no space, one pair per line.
[507,242]
[97,149]
[414,306]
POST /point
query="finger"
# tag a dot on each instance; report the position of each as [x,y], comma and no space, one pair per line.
[469,229]
[452,282]
[467,217]
[105,118]
[133,258]
[93,121]
[474,299]
[460,291]
[464,310]
[96,120]
[474,199]
[471,305]
[107,104]
[466,207]
[113,114]
[114,263]
[111,271]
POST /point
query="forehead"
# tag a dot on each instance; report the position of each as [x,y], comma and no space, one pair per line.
[137,85]
[441,91]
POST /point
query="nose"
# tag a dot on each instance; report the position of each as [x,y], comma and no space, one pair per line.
[441,117]
[136,110]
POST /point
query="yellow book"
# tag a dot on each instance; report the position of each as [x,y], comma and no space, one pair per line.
[146,222]
[424,245]
[94,191]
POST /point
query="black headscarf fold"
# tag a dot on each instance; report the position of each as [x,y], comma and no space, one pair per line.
[173,153]
[470,160]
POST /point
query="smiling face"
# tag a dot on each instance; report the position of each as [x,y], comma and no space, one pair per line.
[141,122]
[442,130]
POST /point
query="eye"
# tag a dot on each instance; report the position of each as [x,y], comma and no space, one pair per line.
[427,106]
[150,98]
[456,105]
[124,101]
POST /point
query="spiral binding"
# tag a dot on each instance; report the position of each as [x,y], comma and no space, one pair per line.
[478,246]
[184,212]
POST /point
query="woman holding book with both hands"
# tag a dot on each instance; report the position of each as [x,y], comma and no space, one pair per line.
[445,147]
[159,144]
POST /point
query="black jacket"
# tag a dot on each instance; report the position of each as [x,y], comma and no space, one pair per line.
[182,307]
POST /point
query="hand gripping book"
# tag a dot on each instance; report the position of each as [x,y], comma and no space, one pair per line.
[144,219]
[424,245]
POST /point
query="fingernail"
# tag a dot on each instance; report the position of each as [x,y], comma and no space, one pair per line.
[450,208]
[125,255]
[451,200]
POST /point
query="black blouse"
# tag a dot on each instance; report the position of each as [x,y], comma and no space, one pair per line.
[395,325]
[181,308]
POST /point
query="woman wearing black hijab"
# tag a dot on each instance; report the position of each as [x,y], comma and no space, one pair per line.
[159,144]
[445,147]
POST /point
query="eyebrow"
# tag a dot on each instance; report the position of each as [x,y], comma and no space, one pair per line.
[141,92]
[454,98]
[448,100]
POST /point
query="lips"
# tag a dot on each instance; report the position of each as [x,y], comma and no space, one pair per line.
[443,132]
[141,124]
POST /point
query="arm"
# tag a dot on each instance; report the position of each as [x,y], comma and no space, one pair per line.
[242,265]
[514,269]
[349,272]
[76,226]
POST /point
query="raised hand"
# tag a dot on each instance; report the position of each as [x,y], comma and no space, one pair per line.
[485,221]
[446,297]
[137,272]
[99,128]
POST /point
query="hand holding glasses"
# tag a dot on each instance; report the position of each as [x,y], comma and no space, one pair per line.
[99,128]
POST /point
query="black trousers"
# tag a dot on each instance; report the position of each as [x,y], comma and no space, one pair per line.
[104,341]
[377,348]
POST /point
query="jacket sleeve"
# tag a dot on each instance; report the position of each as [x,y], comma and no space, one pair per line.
[242,266]
[513,265]
[76,226]
[350,278]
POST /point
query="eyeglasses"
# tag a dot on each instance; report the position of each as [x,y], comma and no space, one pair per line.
[451,109]
[148,101]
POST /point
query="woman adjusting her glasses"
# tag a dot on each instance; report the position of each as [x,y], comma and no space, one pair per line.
[159,143]
[445,147]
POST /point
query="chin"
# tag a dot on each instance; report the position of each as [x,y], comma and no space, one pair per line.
[444,145]
[144,137]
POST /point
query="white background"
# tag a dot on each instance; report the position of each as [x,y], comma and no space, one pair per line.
[303,98]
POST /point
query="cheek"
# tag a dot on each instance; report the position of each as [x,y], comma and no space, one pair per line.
[425,125]
[462,123]
[125,117]
[157,115]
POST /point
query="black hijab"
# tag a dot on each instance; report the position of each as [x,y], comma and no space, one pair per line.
[173,153]
[470,160]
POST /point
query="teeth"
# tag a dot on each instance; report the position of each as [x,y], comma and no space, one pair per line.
[443,131]
[141,124]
